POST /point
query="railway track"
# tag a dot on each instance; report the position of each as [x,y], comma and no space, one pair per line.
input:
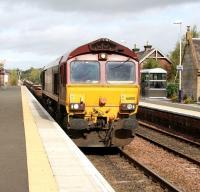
[175,144]
[176,136]
[127,174]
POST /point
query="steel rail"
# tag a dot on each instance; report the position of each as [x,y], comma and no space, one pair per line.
[163,182]
[169,149]
[169,134]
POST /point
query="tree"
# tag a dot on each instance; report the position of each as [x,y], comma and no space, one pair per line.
[174,57]
[151,63]
[35,75]
[195,32]
[32,74]
[13,79]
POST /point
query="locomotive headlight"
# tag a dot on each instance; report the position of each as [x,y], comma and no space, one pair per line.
[102,56]
[71,106]
[127,107]
[77,107]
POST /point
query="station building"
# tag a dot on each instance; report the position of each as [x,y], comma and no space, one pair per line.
[1,76]
[191,67]
[4,77]
[153,53]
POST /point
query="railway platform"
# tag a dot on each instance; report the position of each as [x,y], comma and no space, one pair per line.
[181,118]
[36,154]
[190,110]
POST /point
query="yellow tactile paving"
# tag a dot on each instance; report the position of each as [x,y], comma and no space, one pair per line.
[40,175]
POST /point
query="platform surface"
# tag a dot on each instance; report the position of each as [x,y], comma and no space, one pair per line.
[36,154]
[13,174]
[192,110]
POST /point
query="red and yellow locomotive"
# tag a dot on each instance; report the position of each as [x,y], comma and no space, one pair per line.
[94,91]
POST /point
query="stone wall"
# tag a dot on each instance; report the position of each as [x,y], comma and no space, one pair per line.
[189,75]
[198,87]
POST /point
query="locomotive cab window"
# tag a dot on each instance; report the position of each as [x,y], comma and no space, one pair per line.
[63,74]
[84,72]
[120,72]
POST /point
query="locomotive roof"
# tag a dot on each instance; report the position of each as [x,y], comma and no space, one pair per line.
[103,45]
[100,45]
[53,63]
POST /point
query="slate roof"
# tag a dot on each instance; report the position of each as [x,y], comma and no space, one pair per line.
[143,54]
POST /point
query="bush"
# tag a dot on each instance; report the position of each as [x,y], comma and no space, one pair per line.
[174,99]
[151,63]
[13,79]
[172,90]
[185,97]
[188,100]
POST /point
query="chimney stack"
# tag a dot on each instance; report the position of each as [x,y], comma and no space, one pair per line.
[147,47]
[135,49]
[188,35]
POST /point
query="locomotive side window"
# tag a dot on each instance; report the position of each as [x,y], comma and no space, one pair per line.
[61,74]
[84,72]
[55,85]
[42,78]
[64,74]
[120,72]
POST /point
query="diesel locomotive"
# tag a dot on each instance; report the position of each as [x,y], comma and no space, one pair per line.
[94,92]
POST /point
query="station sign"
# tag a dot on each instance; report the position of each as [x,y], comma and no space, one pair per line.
[179,67]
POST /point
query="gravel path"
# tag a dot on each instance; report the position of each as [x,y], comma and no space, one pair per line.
[180,172]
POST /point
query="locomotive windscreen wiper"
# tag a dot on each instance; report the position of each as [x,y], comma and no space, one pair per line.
[120,64]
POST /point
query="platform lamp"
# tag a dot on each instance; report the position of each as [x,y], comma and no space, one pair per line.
[180,67]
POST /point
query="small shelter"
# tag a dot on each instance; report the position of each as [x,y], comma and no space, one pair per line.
[153,83]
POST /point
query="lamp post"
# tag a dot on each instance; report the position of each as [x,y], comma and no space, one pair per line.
[180,67]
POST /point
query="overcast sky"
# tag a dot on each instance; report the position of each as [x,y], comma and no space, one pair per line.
[35,32]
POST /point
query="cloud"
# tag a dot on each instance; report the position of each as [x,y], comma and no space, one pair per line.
[35,32]
[97,6]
